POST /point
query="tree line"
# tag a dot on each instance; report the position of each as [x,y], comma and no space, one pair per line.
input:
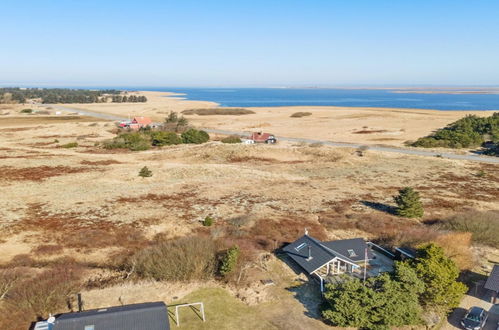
[53,95]
[65,95]
[131,98]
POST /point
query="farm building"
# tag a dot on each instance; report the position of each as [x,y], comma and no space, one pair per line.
[492,283]
[150,316]
[260,137]
[327,261]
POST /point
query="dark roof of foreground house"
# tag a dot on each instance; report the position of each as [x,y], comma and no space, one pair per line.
[311,254]
[493,280]
[354,249]
[150,316]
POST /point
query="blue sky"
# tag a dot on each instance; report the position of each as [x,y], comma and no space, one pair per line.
[249,43]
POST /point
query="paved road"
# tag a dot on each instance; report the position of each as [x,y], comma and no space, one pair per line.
[405,151]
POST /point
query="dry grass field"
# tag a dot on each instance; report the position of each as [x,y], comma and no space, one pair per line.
[90,205]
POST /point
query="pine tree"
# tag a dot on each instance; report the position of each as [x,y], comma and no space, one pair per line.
[440,274]
[145,172]
[409,203]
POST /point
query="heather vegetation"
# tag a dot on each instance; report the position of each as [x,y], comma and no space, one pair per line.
[469,132]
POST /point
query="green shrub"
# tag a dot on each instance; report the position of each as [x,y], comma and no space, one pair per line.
[439,273]
[183,259]
[208,221]
[484,226]
[384,301]
[229,260]
[161,138]
[408,203]
[134,141]
[231,139]
[70,145]
[27,111]
[195,136]
[145,172]
[470,131]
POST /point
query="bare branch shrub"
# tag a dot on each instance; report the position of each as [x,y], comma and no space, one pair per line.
[182,259]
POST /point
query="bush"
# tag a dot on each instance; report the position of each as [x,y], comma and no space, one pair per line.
[229,260]
[409,203]
[208,221]
[439,273]
[27,111]
[145,172]
[183,259]
[134,141]
[483,226]
[300,114]
[70,145]
[388,300]
[195,136]
[470,131]
[231,139]
[161,138]
[48,292]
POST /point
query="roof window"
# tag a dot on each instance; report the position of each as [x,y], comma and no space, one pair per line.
[301,246]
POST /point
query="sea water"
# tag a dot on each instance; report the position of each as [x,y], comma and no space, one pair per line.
[275,97]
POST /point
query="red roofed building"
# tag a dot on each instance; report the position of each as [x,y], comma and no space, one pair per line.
[260,137]
[139,122]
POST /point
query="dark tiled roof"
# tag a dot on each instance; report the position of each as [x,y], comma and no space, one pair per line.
[493,280]
[151,316]
[321,254]
[357,245]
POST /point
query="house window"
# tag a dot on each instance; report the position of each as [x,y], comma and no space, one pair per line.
[301,246]
[352,253]
[89,327]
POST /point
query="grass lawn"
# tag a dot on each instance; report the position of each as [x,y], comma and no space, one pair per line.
[222,311]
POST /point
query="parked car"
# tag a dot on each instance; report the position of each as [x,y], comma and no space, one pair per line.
[474,319]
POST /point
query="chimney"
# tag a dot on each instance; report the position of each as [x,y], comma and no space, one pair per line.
[306,231]
[309,253]
[80,303]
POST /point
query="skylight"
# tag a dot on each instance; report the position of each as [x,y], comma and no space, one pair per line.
[352,253]
[301,246]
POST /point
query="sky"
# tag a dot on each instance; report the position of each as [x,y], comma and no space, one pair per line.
[253,43]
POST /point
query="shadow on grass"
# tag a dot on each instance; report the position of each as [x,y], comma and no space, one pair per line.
[309,295]
[381,207]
